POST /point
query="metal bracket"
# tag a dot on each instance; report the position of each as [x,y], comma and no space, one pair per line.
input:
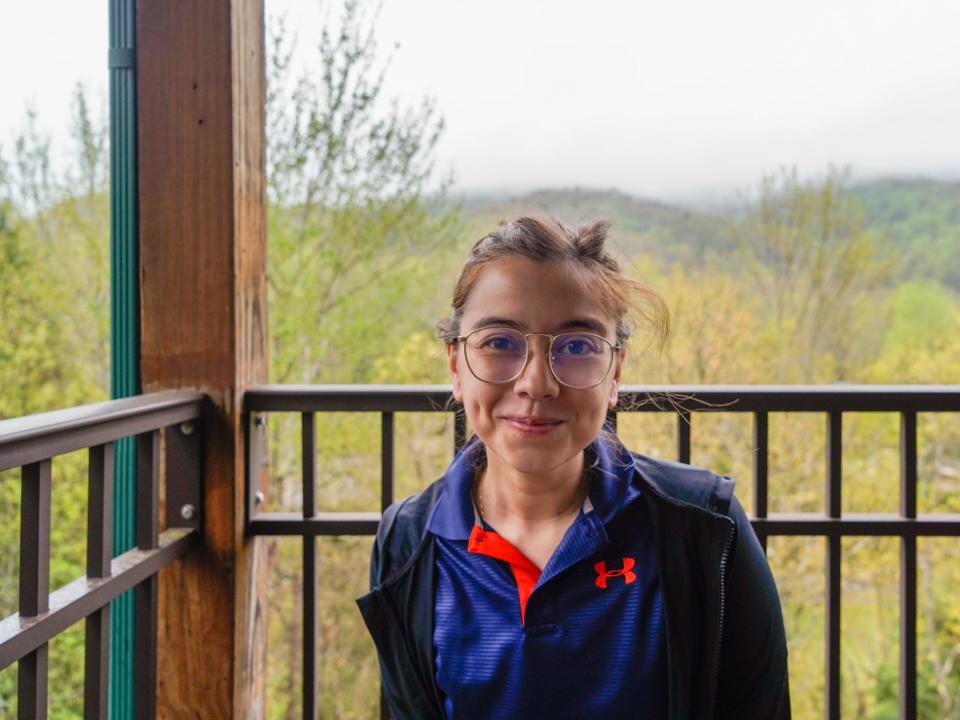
[184,474]
[255,440]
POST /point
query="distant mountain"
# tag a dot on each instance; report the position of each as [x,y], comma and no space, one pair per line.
[918,220]
[670,233]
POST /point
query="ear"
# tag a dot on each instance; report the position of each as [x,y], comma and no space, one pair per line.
[615,385]
[452,357]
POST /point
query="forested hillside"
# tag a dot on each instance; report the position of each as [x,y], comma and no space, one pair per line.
[672,233]
[920,219]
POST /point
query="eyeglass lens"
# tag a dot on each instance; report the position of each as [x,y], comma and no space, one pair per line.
[497,355]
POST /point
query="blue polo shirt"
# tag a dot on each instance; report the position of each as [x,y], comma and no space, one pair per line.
[583,638]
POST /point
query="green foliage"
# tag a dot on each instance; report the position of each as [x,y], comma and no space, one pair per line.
[706,311]
[921,342]
[919,220]
[54,251]
[351,231]
[811,261]
[32,376]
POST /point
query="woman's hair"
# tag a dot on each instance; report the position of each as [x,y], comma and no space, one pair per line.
[583,251]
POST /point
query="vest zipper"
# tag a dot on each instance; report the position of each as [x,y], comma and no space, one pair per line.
[724,556]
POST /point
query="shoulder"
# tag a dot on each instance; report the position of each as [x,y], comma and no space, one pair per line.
[685,484]
[402,528]
[412,512]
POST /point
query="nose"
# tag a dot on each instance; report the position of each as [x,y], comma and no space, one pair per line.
[537,380]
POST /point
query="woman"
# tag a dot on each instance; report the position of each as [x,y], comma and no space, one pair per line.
[551,573]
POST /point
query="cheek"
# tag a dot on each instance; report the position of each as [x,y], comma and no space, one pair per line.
[483,401]
[603,407]
[591,408]
[479,400]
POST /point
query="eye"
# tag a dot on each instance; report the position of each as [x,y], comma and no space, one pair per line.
[577,345]
[500,342]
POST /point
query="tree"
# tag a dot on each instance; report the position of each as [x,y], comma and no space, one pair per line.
[349,174]
[355,237]
[54,251]
[807,252]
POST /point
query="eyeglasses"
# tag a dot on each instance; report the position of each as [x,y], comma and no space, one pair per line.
[498,355]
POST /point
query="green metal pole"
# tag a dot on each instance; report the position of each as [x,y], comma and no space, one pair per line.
[124,326]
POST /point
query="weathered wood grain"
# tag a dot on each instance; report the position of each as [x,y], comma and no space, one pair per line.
[201,90]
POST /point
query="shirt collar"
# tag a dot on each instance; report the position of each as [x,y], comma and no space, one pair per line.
[610,467]
[615,482]
[453,514]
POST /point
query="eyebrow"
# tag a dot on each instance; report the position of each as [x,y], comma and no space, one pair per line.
[582,323]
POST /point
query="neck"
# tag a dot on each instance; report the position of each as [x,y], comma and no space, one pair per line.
[518,498]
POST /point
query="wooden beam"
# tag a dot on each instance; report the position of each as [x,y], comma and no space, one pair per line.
[201,95]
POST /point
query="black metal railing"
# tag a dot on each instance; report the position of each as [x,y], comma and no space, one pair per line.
[31,443]
[686,401]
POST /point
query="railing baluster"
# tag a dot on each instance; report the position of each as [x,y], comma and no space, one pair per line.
[684,418]
[308,463]
[34,583]
[761,458]
[908,568]
[387,493]
[145,613]
[386,460]
[99,552]
[148,490]
[100,511]
[834,471]
[309,627]
[309,599]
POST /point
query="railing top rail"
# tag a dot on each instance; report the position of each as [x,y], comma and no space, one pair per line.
[643,398]
[372,398]
[36,437]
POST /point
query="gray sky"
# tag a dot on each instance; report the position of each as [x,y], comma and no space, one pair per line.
[664,100]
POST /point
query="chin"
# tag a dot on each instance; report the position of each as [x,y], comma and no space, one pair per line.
[534,458]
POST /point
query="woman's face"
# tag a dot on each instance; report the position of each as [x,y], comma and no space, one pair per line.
[533,425]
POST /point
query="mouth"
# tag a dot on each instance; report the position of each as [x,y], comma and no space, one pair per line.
[532,425]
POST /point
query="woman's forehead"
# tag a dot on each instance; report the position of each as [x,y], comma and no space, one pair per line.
[533,295]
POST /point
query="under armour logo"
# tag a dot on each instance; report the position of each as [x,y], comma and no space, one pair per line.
[626,572]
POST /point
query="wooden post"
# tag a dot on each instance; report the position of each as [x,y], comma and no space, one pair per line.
[201,85]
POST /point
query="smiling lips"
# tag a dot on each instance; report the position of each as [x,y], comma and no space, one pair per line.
[532,425]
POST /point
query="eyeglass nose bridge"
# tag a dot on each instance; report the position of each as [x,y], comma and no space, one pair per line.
[546,355]
[550,339]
